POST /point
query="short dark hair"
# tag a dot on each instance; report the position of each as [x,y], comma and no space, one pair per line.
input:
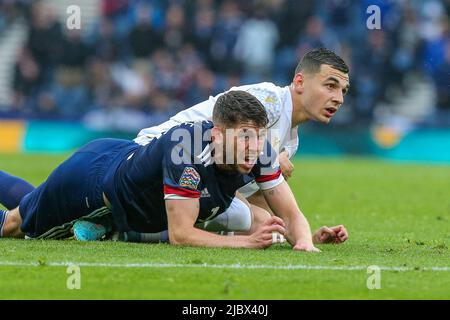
[313,59]
[235,107]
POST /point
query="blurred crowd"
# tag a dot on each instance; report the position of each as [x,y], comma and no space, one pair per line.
[144,60]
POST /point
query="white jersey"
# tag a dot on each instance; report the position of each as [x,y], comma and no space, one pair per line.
[276,100]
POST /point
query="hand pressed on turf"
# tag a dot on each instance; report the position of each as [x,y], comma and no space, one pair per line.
[306,247]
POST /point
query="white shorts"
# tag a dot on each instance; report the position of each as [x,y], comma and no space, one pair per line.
[238,217]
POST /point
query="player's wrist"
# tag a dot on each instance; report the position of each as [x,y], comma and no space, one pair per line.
[284,154]
[307,241]
[315,238]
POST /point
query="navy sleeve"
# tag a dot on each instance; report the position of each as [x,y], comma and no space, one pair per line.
[267,170]
[181,177]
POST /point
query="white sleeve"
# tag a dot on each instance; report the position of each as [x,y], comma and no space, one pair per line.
[199,112]
[270,181]
[291,142]
[267,94]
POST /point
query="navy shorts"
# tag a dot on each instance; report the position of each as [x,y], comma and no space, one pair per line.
[72,192]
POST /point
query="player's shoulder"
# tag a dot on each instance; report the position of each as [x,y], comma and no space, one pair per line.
[192,137]
[270,95]
[259,86]
[191,126]
[189,133]
[195,126]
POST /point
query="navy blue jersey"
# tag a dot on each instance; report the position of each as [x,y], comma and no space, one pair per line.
[176,165]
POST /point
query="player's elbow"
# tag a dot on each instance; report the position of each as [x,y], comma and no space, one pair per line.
[177,238]
[175,242]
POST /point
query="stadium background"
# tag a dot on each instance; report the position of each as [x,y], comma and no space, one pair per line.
[135,63]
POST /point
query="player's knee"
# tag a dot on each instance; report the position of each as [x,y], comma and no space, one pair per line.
[259,216]
[11,228]
[258,200]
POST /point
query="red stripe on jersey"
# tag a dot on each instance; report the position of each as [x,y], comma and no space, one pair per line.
[181,192]
[269,177]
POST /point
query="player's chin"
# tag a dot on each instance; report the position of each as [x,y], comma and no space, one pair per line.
[325,119]
[245,167]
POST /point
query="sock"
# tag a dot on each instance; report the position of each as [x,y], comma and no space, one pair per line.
[133,236]
[12,190]
[3,215]
[162,236]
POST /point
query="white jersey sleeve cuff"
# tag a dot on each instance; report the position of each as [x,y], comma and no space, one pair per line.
[271,184]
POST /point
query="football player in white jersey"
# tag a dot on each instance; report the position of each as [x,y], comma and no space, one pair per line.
[316,93]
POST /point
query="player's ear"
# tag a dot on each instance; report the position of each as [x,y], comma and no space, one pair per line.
[298,82]
[217,135]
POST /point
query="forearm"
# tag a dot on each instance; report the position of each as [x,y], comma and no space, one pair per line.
[283,204]
[199,238]
[181,217]
[297,229]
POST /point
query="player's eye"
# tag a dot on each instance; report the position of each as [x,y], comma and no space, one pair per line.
[247,134]
[243,137]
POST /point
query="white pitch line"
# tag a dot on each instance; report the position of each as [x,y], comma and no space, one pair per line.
[214,266]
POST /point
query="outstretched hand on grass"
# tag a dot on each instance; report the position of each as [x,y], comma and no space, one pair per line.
[337,235]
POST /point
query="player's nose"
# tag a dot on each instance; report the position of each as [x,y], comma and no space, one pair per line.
[338,98]
[253,145]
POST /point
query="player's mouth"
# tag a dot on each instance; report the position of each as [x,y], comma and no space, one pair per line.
[329,112]
[247,167]
[249,162]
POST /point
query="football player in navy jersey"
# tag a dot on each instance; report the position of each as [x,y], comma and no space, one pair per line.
[171,184]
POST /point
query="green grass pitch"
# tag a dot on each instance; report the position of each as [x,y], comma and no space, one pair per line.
[398,216]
